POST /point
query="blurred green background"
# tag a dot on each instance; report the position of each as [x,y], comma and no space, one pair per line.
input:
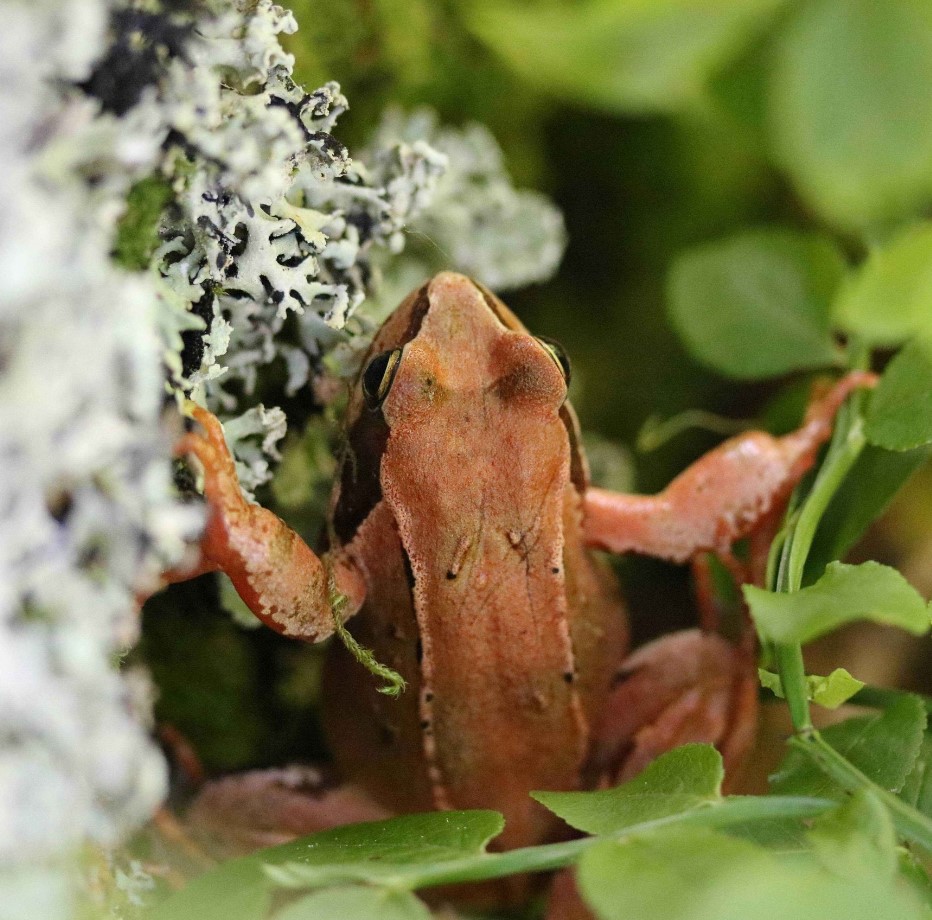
[656,126]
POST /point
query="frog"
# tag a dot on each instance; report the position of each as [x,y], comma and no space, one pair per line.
[466,550]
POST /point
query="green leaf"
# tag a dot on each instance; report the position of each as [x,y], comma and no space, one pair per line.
[238,889]
[856,838]
[697,874]
[667,874]
[900,414]
[829,692]
[356,902]
[235,890]
[889,298]
[384,851]
[757,304]
[917,790]
[867,490]
[686,778]
[637,56]
[848,118]
[885,747]
[845,593]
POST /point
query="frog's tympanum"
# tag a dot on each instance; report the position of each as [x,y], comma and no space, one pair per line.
[463,526]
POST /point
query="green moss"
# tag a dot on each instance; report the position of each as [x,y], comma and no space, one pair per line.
[137,233]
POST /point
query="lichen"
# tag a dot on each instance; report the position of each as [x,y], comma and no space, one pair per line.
[179,220]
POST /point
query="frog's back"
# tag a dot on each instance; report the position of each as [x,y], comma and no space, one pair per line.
[460,499]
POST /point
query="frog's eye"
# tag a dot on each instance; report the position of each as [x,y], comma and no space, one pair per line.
[378,376]
[559,355]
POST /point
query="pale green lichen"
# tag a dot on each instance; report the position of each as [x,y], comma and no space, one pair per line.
[171,141]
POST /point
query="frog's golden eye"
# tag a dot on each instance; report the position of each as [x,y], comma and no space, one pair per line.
[378,376]
[559,355]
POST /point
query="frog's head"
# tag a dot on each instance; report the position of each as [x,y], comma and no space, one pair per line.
[454,341]
[454,386]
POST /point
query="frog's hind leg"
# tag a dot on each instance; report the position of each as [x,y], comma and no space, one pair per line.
[687,687]
[283,582]
[237,814]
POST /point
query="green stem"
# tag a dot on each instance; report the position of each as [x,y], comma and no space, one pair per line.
[793,679]
[847,443]
[836,467]
[910,823]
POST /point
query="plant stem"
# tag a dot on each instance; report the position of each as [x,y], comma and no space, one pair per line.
[847,443]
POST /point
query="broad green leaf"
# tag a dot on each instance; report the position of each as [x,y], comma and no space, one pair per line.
[900,414]
[757,304]
[686,778]
[848,118]
[238,889]
[667,874]
[873,481]
[356,902]
[697,874]
[235,890]
[885,747]
[917,790]
[384,850]
[856,838]
[889,298]
[845,593]
[636,56]
[830,692]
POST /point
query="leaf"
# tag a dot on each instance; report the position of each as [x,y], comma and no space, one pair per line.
[889,298]
[856,838]
[873,481]
[847,118]
[900,414]
[683,779]
[391,852]
[356,902]
[757,304]
[666,874]
[845,593]
[239,888]
[697,874]
[829,692]
[885,747]
[917,790]
[638,56]
[235,890]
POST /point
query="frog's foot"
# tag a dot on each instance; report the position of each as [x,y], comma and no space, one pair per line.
[238,814]
[687,687]
[282,581]
[724,496]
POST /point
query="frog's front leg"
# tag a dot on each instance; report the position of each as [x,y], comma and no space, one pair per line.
[283,582]
[695,685]
[723,497]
